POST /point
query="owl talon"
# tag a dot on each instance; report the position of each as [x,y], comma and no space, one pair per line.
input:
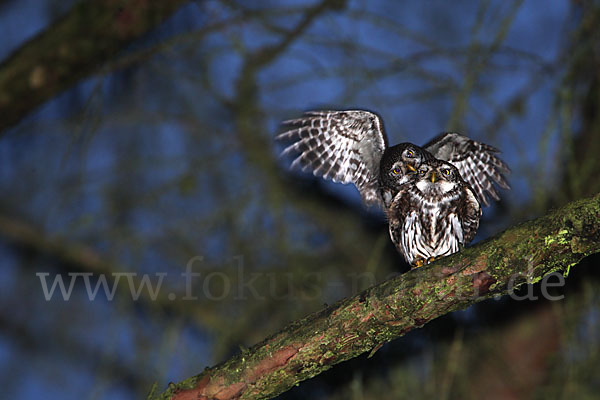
[431,259]
[419,263]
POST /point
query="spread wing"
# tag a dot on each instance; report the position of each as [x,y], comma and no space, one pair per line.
[477,163]
[343,146]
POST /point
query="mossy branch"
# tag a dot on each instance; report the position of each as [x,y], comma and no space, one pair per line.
[72,48]
[522,254]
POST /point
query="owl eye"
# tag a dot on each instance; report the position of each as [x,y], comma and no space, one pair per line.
[447,172]
[396,171]
[422,172]
[410,154]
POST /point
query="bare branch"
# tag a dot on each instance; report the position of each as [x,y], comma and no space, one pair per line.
[71,49]
[81,257]
[522,254]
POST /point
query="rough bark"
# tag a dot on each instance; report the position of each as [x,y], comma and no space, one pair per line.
[71,49]
[522,254]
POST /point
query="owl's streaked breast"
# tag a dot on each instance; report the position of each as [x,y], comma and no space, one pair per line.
[427,225]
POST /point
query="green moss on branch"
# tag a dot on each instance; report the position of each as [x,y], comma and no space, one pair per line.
[522,254]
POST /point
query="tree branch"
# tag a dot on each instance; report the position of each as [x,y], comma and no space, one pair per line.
[73,48]
[80,257]
[522,254]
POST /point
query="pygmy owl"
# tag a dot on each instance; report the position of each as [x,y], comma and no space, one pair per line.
[434,213]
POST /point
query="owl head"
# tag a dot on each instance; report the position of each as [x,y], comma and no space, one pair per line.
[437,176]
[398,164]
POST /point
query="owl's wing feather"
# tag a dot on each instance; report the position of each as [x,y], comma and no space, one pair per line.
[471,214]
[477,163]
[342,146]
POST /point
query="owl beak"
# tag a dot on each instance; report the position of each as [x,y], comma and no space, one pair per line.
[433,177]
[411,167]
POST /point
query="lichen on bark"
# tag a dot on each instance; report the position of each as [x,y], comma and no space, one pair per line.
[522,254]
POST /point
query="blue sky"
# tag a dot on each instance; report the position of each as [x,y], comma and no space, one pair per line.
[135,127]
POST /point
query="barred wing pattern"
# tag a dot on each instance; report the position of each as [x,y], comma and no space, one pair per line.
[477,163]
[343,146]
[471,213]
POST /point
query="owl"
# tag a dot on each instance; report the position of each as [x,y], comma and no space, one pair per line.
[434,213]
[352,147]
[398,164]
